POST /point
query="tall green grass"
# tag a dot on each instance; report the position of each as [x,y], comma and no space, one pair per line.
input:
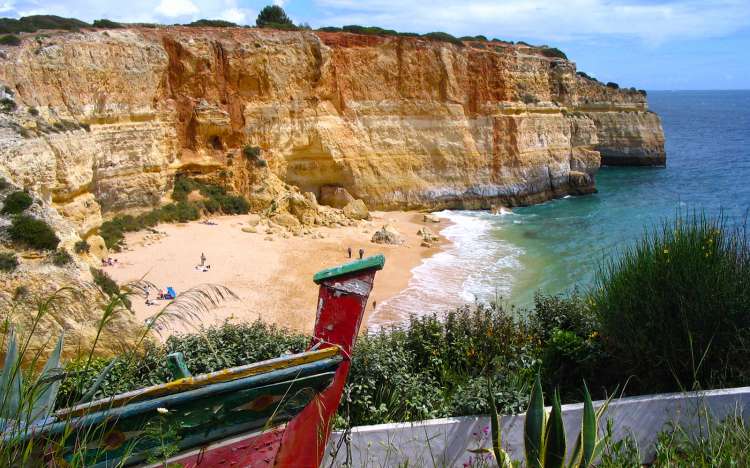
[674,309]
[28,395]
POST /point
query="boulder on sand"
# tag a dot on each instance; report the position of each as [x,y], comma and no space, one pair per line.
[356,209]
[336,197]
[253,219]
[427,236]
[430,218]
[286,220]
[387,235]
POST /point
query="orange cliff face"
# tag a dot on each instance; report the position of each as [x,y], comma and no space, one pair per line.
[105,119]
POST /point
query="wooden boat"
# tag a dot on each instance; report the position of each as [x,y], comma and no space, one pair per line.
[271,413]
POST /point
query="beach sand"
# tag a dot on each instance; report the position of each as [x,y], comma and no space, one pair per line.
[273,279]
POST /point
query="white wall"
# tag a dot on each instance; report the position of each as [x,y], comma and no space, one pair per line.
[446,442]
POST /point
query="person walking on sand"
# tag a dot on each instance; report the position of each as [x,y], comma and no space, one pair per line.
[203,259]
[361,253]
[349,251]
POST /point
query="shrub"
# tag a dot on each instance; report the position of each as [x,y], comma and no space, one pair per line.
[251,152]
[443,37]
[36,22]
[33,233]
[106,24]
[271,16]
[8,262]
[643,91]
[33,111]
[20,292]
[4,184]
[551,313]
[369,30]
[211,349]
[213,24]
[613,85]
[81,247]
[673,308]
[180,212]
[216,200]
[553,52]
[10,39]
[61,257]
[104,281]
[7,105]
[211,205]
[112,234]
[385,385]
[585,75]
[529,98]
[571,348]
[182,187]
[234,204]
[17,202]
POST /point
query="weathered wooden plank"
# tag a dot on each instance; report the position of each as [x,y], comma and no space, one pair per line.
[191,383]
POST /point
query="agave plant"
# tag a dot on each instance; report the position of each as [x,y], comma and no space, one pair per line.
[24,404]
[544,434]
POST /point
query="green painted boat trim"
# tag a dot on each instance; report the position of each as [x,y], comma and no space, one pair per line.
[215,391]
[377,262]
[199,381]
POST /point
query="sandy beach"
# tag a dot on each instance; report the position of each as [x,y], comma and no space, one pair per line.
[272,278]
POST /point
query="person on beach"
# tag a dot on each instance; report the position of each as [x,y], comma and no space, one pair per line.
[361,253]
[203,259]
[349,251]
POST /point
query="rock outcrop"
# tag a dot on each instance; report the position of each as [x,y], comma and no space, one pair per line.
[387,235]
[104,119]
[356,210]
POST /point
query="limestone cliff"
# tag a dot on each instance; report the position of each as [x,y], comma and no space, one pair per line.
[105,119]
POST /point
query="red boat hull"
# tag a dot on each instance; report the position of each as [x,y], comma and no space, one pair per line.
[301,442]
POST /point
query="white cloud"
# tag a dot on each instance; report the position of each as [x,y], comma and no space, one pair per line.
[174,8]
[235,15]
[548,19]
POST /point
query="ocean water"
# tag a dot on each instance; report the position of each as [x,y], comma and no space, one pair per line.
[556,246]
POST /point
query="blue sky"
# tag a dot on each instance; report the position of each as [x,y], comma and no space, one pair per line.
[667,44]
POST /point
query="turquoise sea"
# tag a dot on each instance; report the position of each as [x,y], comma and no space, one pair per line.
[558,245]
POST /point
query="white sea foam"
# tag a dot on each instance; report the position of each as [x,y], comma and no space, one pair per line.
[477,266]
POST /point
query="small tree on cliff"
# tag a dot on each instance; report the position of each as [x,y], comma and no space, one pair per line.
[272,15]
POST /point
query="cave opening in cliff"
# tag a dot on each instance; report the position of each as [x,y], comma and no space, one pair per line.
[215,142]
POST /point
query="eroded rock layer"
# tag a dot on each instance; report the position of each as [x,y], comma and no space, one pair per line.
[105,119]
